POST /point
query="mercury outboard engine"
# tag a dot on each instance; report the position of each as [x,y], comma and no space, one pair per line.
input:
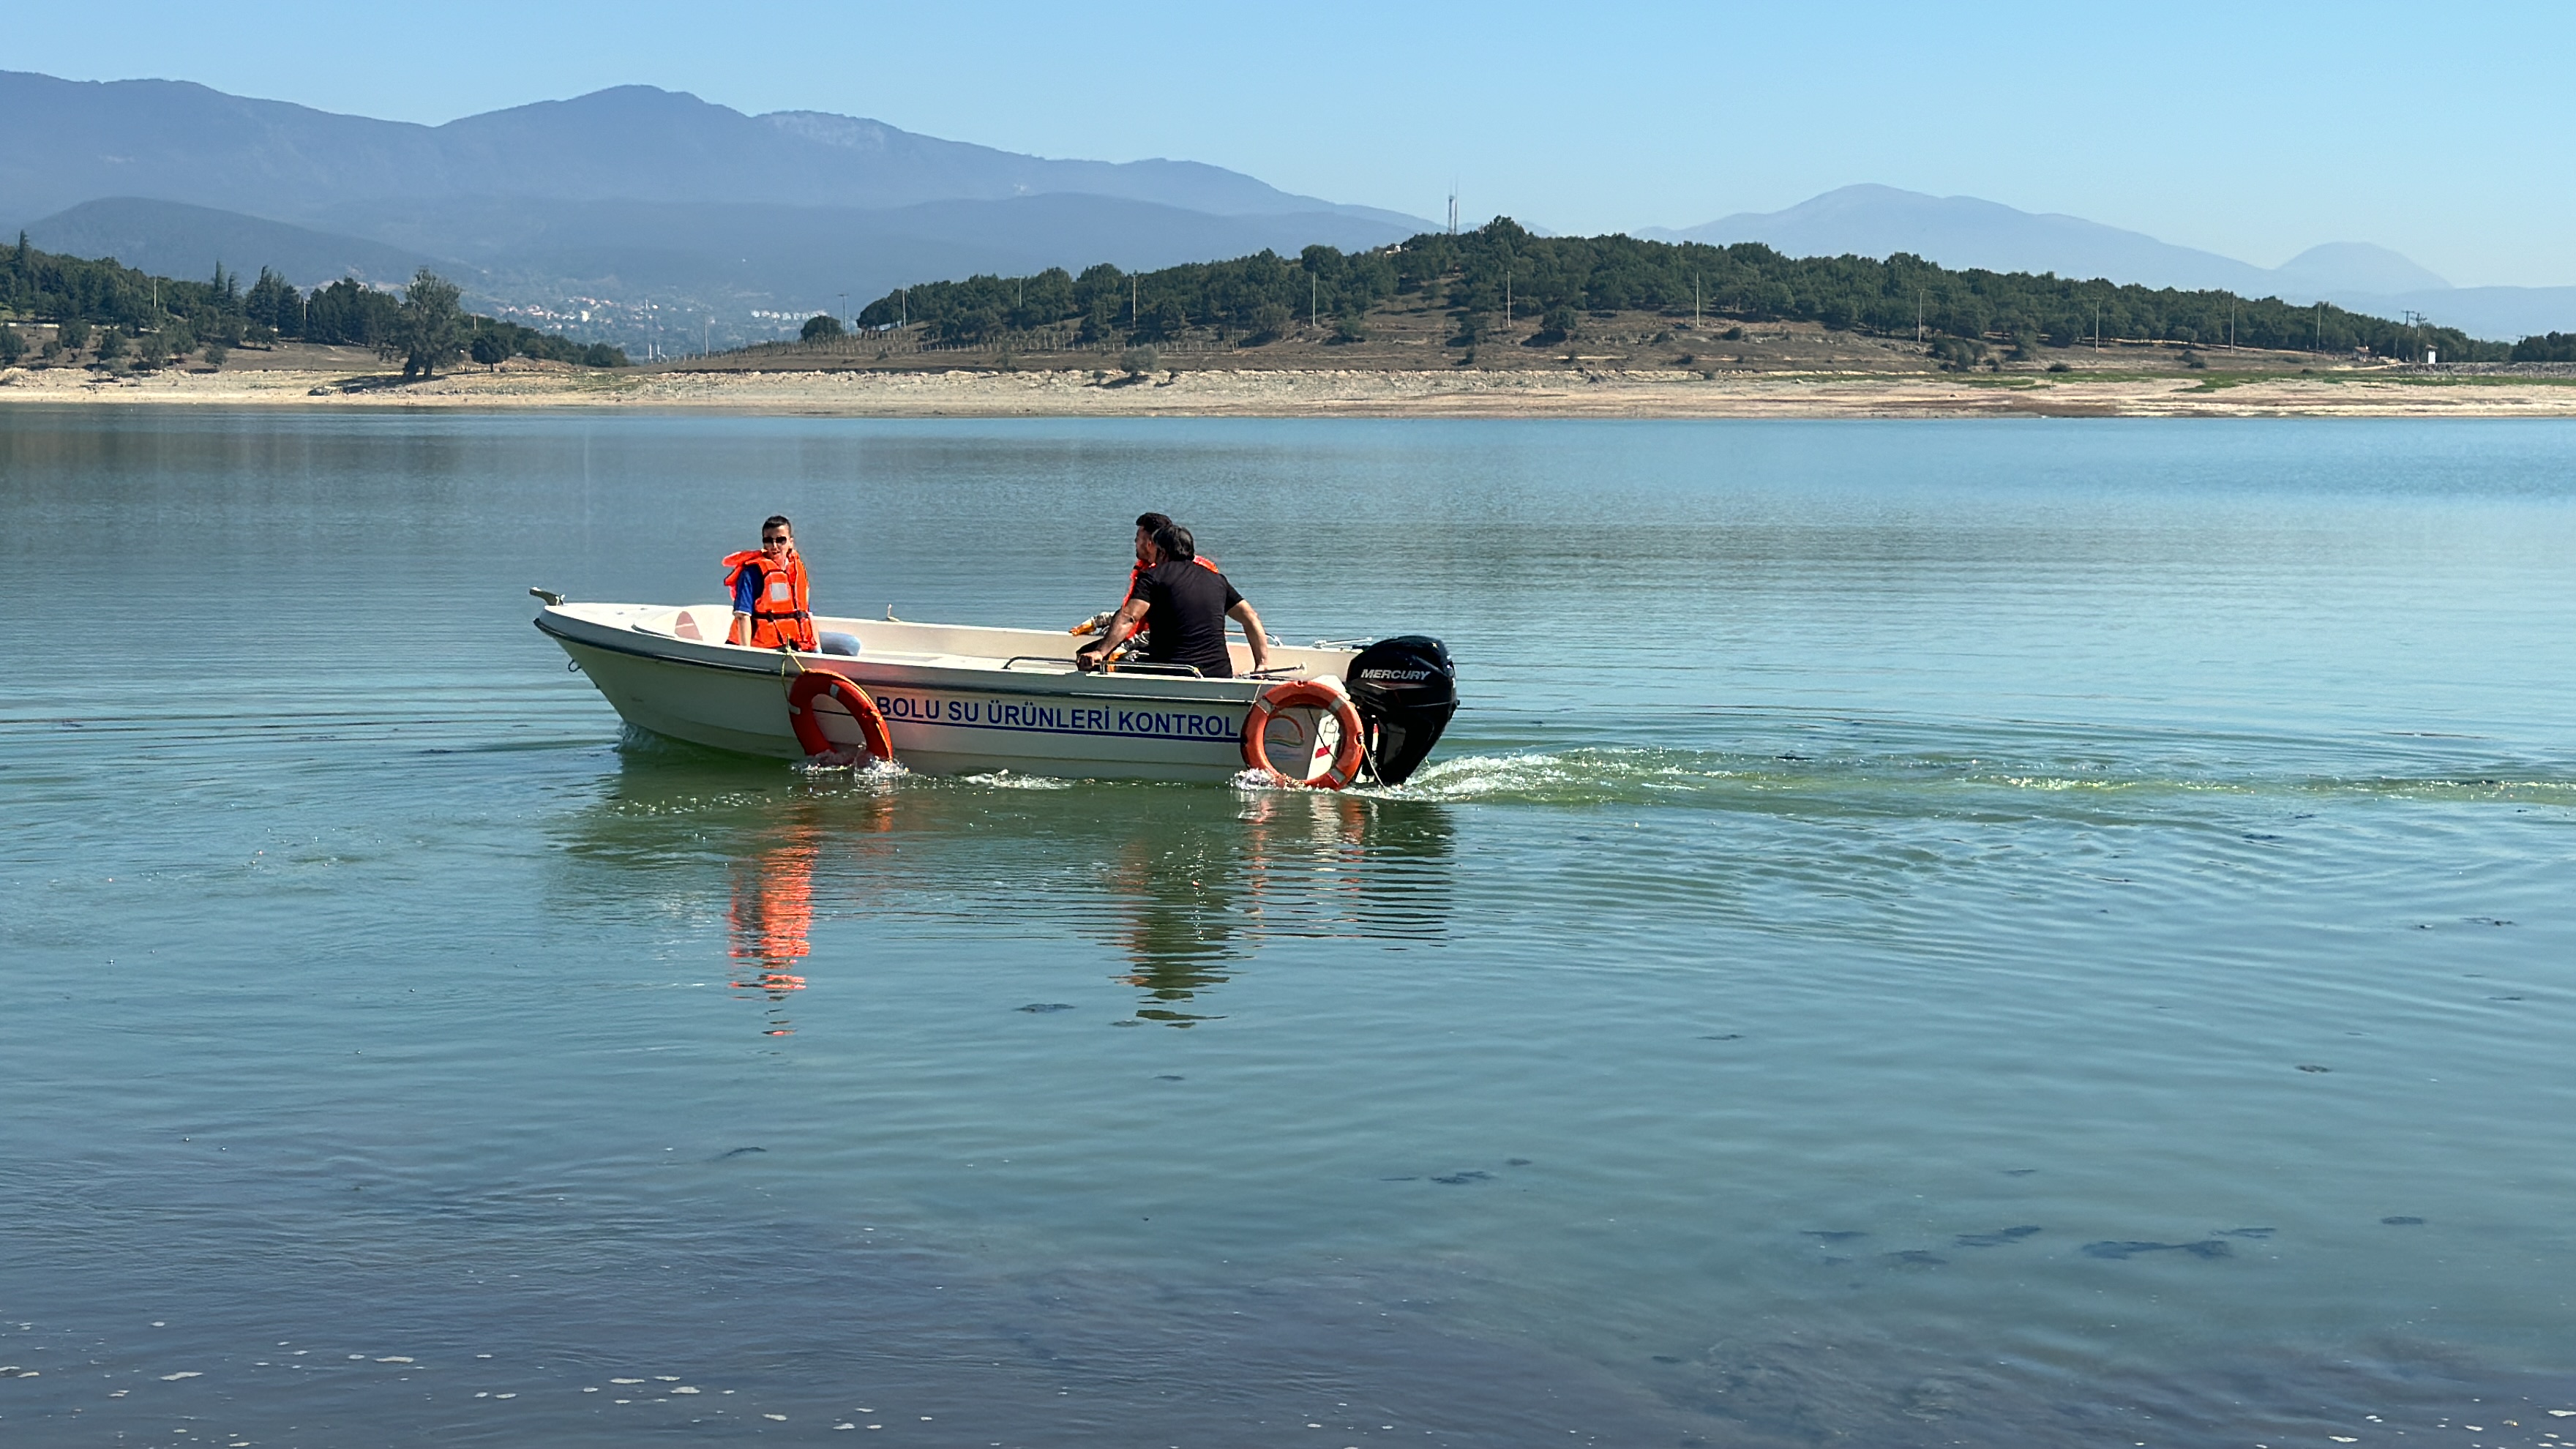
[1405,689]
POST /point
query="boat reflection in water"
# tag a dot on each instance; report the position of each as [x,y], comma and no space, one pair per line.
[1187,885]
[1279,864]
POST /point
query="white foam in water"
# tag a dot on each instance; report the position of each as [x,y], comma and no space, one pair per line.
[1470,776]
[1005,780]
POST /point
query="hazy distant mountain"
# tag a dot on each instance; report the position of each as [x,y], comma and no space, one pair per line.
[636,197]
[2502,313]
[65,142]
[2355,267]
[174,239]
[1963,231]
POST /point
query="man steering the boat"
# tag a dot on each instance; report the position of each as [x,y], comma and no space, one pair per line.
[1182,604]
[770,608]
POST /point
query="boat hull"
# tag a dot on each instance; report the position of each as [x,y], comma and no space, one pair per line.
[1012,703]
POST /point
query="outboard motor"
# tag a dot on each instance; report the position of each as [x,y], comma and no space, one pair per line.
[1405,689]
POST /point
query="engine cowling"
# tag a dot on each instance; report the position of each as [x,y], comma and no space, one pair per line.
[1406,689]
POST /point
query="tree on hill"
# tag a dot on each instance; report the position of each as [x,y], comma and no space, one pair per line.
[821,327]
[429,330]
[348,312]
[274,304]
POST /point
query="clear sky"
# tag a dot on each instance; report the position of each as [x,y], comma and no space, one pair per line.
[2445,131]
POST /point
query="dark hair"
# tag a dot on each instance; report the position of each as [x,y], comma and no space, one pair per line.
[1175,542]
[776,520]
[1153,523]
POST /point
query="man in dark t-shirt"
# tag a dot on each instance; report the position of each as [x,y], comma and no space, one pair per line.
[1189,605]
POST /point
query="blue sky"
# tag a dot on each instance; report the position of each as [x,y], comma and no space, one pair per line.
[2254,130]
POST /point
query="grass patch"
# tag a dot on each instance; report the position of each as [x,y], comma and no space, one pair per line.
[2424,380]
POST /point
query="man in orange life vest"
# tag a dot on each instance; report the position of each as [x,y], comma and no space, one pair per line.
[770,610]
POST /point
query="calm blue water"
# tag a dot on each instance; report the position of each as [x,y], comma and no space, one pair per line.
[1998,933]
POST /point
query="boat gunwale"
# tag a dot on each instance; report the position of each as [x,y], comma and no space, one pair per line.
[1249,687]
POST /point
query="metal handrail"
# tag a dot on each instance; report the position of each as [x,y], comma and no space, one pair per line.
[1069,666]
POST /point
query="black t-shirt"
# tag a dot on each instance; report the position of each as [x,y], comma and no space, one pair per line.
[1185,618]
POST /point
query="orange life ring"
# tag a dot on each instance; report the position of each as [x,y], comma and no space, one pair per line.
[811,686]
[1321,694]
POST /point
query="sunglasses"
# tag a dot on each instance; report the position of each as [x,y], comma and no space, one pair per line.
[775,538]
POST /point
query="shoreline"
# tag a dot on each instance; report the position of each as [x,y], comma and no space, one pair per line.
[1589,393]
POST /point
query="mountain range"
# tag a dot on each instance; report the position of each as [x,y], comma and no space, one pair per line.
[1963,231]
[623,213]
[650,218]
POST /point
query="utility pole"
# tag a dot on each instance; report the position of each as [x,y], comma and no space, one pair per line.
[1918,314]
[1695,302]
[2097,327]
[2321,327]
[2231,326]
[1134,319]
[1507,299]
[1314,300]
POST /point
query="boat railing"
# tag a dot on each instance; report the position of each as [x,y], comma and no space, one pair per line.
[1125,666]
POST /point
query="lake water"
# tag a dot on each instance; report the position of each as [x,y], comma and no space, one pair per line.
[2014,933]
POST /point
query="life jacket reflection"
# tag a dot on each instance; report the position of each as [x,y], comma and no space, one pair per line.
[773,912]
[781,617]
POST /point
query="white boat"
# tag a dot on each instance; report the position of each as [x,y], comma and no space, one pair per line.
[958,700]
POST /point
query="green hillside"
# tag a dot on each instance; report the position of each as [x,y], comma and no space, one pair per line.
[176,317]
[1559,281]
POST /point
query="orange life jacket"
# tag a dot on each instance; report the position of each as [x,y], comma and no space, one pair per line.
[1138,572]
[780,616]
